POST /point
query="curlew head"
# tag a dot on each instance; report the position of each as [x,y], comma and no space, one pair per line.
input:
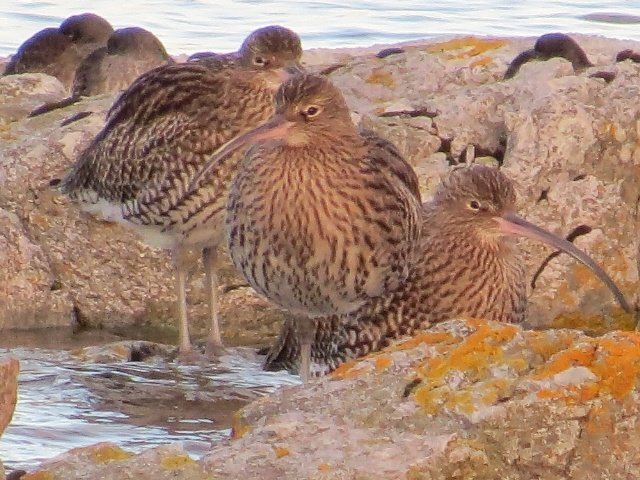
[482,199]
[307,106]
[86,28]
[272,49]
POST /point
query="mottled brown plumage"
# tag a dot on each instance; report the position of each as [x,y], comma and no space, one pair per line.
[59,51]
[320,217]
[128,54]
[160,132]
[467,264]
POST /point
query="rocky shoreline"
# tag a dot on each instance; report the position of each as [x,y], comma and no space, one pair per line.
[570,141]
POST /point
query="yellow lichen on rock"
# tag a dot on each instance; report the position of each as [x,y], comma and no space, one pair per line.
[481,62]
[614,360]
[106,452]
[595,324]
[39,475]
[428,338]
[281,452]
[383,362]
[176,462]
[381,77]
[469,363]
[469,46]
[239,428]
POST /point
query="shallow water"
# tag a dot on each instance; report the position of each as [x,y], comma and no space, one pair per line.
[187,26]
[65,403]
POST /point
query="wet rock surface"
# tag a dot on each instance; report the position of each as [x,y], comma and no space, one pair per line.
[469,399]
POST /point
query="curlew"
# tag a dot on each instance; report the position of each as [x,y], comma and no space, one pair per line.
[467,264]
[159,133]
[321,217]
[129,53]
[59,51]
[548,46]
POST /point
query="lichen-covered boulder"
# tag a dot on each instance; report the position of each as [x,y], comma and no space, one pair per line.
[468,400]
[9,369]
[107,461]
[21,94]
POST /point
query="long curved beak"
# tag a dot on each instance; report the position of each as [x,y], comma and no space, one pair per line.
[513,224]
[274,129]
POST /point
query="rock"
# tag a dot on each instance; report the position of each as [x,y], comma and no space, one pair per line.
[21,94]
[469,399]
[108,461]
[570,141]
[9,368]
[27,285]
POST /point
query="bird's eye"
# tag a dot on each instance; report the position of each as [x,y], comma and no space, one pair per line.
[259,61]
[311,111]
[474,205]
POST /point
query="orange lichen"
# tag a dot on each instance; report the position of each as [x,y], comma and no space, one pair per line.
[494,389]
[470,46]
[428,338]
[349,371]
[105,453]
[619,367]
[343,369]
[585,277]
[383,362]
[460,401]
[324,467]
[481,62]
[39,475]
[472,357]
[281,452]
[176,462]
[429,399]
[614,361]
[574,357]
[571,394]
[547,344]
[380,77]
[599,421]
[566,296]
[618,319]
[474,354]
[239,428]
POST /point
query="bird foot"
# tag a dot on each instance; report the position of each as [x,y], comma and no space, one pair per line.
[214,350]
[192,356]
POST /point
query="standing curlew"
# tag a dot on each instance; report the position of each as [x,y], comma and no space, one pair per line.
[321,218]
[467,264]
[160,132]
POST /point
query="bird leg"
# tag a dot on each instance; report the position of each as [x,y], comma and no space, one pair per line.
[184,342]
[214,339]
[306,334]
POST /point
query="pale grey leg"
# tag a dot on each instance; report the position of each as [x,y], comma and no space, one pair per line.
[214,339]
[307,333]
[184,342]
